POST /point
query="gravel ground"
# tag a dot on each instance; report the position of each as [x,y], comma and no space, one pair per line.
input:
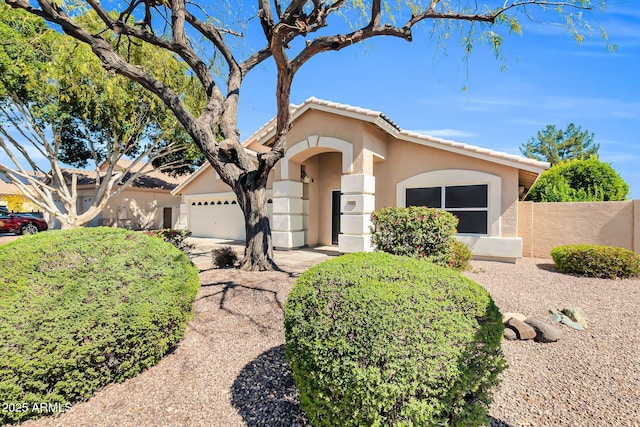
[230,371]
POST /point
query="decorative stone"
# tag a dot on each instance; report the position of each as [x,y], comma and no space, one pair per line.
[577,315]
[556,315]
[570,323]
[509,334]
[544,331]
[507,316]
[522,330]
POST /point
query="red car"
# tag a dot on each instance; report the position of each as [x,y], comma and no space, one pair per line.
[12,223]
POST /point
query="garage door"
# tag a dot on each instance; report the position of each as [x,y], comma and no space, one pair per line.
[222,219]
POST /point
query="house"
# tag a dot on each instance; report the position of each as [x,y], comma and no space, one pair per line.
[12,198]
[147,203]
[344,162]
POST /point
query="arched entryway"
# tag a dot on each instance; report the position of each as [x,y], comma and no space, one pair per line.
[311,205]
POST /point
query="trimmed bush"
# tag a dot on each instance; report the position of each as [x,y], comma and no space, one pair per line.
[176,237]
[224,256]
[377,339]
[461,256]
[607,262]
[419,232]
[82,308]
[588,180]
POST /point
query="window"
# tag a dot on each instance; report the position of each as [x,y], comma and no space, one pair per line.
[470,203]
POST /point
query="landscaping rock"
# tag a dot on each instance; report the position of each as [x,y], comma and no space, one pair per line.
[577,315]
[556,315]
[507,316]
[544,331]
[509,334]
[575,325]
[523,331]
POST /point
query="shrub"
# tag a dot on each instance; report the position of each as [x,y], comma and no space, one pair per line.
[579,181]
[418,232]
[82,308]
[596,261]
[224,256]
[461,256]
[176,237]
[378,339]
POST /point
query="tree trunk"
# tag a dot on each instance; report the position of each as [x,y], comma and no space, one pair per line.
[258,252]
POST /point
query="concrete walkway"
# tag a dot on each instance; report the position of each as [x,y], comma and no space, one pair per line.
[201,254]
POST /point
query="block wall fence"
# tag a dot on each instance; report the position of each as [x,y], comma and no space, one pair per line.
[543,226]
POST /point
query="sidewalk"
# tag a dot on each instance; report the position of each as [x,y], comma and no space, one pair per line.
[201,254]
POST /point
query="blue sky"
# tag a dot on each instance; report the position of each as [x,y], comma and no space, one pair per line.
[547,78]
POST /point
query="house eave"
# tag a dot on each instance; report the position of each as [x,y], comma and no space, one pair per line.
[267,132]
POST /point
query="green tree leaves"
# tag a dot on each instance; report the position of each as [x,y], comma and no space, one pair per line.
[579,181]
[92,113]
[554,145]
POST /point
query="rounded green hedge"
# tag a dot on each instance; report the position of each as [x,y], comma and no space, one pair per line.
[607,262]
[420,232]
[82,308]
[378,339]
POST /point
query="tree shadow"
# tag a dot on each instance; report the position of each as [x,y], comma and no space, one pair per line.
[548,266]
[494,422]
[228,286]
[265,394]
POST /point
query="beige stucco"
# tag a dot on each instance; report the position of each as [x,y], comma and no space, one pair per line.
[134,208]
[325,169]
[391,160]
[331,142]
[544,226]
[407,160]
[208,182]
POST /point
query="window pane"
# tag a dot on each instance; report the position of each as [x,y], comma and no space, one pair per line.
[466,196]
[430,197]
[471,221]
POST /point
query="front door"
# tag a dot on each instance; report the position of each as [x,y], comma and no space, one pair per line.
[335,216]
[166,218]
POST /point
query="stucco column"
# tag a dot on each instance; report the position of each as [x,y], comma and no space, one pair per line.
[183,217]
[287,227]
[356,205]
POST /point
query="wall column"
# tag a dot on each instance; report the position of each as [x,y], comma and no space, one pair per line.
[183,217]
[287,224]
[357,203]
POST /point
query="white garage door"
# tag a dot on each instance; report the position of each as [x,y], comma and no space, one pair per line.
[221,219]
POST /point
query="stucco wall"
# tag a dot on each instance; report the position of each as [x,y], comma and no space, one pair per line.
[408,159]
[132,208]
[330,145]
[544,226]
[321,123]
[326,169]
[143,209]
[207,182]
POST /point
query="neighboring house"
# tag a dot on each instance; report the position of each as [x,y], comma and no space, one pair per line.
[344,162]
[145,204]
[12,198]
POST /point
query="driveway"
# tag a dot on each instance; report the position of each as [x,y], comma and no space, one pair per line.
[201,254]
[7,237]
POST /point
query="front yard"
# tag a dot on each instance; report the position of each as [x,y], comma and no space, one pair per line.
[229,370]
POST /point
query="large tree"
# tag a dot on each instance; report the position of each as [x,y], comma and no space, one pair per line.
[57,102]
[555,145]
[293,32]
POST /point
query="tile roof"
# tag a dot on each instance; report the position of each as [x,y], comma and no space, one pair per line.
[149,179]
[380,119]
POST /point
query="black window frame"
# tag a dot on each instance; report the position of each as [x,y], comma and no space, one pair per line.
[483,211]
